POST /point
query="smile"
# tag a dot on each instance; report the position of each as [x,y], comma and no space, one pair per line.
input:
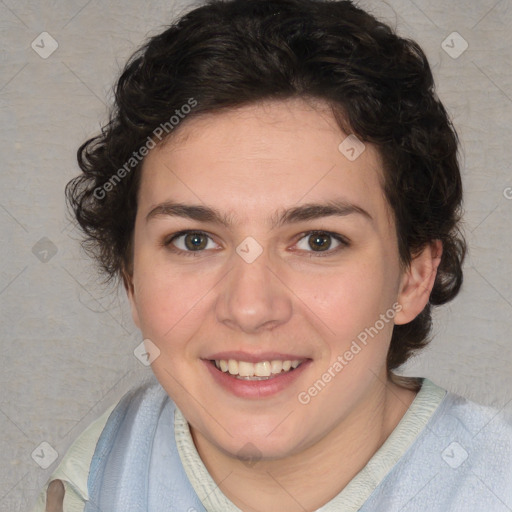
[262,370]
[240,378]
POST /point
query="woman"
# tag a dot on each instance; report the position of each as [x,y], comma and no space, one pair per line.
[279,190]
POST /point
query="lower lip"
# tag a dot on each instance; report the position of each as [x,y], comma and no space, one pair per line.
[255,388]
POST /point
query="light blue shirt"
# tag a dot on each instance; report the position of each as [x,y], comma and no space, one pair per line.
[446,454]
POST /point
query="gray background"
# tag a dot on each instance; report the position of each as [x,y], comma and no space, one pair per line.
[67,343]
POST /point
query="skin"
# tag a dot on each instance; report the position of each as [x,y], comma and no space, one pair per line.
[250,164]
[55,497]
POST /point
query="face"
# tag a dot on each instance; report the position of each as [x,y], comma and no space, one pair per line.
[258,241]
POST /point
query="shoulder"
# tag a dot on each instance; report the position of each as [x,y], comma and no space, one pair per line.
[485,430]
[481,425]
[461,460]
[74,468]
[474,449]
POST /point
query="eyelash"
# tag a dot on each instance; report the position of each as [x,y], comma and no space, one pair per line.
[342,240]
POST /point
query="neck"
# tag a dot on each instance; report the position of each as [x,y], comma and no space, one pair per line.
[299,482]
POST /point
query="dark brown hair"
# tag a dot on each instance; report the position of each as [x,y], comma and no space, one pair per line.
[227,54]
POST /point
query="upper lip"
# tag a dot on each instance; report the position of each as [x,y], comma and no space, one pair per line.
[239,355]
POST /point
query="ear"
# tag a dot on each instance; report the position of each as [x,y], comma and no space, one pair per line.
[130,292]
[417,282]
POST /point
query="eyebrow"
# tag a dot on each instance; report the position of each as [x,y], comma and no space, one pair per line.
[305,212]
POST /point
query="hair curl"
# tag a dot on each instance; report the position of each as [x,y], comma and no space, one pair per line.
[227,54]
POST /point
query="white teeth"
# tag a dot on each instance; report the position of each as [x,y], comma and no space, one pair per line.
[233,367]
[262,369]
[244,369]
[276,366]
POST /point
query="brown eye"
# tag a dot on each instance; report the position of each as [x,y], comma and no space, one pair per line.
[195,241]
[190,242]
[319,242]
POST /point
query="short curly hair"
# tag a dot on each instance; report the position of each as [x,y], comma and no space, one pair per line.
[226,54]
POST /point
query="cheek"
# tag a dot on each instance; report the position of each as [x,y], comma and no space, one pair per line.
[348,296]
[348,305]
[168,302]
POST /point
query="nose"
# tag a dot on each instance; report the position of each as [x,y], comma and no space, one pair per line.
[252,298]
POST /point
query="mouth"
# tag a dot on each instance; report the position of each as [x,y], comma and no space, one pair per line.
[261,370]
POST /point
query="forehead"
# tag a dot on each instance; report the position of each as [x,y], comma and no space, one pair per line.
[258,158]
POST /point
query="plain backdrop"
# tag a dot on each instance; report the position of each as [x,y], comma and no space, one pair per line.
[67,343]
